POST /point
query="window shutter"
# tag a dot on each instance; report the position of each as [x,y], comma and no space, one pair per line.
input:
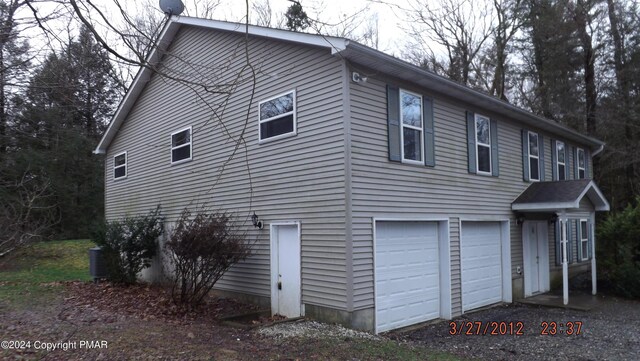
[576,161]
[525,155]
[393,122]
[554,161]
[558,243]
[567,168]
[541,154]
[471,142]
[495,167]
[429,137]
[590,237]
[570,241]
[587,156]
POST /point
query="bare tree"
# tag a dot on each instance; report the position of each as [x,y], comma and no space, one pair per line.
[25,216]
[460,27]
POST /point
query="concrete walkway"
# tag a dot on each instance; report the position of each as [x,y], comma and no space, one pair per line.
[577,300]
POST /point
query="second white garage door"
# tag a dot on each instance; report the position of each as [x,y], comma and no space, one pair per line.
[406,274]
[481,262]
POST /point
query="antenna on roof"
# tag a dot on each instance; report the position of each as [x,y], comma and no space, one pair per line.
[172,7]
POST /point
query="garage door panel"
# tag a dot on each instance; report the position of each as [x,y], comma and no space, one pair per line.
[407,274]
[481,263]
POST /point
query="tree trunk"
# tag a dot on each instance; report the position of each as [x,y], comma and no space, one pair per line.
[583,22]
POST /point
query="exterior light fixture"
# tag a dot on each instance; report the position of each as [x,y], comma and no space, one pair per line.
[553,219]
[520,219]
[256,222]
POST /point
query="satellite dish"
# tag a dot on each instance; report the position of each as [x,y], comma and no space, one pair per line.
[172,7]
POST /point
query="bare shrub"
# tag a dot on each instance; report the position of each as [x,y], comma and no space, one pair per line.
[201,249]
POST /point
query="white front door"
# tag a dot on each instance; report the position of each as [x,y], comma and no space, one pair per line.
[285,270]
[536,257]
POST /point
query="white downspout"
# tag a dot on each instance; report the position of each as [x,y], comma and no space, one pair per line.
[594,281]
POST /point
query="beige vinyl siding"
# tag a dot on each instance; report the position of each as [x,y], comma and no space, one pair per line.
[382,188]
[300,178]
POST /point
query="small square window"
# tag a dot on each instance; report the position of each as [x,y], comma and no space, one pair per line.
[277,117]
[120,166]
[181,146]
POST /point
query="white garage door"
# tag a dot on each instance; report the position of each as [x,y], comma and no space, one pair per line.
[481,261]
[406,274]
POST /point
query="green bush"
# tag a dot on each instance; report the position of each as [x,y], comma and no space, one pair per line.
[618,252]
[129,244]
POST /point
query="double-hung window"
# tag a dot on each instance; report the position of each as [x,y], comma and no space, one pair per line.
[181,146]
[277,117]
[584,240]
[411,134]
[534,156]
[581,163]
[561,163]
[410,127]
[120,166]
[483,144]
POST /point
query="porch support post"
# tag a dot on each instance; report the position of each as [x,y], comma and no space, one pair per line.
[594,288]
[565,265]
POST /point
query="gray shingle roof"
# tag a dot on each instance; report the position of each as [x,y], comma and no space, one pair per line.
[560,194]
[553,192]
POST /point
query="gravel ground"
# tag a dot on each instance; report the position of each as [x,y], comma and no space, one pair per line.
[313,329]
[609,332]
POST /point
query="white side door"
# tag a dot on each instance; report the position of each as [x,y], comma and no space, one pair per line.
[285,270]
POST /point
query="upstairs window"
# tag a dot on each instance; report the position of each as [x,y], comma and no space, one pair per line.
[483,144]
[410,129]
[120,166]
[181,146]
[561,163]
[277,117]
[412,135]
[581,163]
[534,157]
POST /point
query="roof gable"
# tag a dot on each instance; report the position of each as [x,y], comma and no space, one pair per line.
[552,196]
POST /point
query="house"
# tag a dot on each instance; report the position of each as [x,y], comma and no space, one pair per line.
[390,195]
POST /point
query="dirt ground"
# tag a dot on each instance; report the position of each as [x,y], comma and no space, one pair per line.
[104,322]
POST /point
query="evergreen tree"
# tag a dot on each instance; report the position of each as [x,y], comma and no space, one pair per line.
[68,105]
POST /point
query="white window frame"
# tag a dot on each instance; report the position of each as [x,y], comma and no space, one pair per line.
[584,238]
[558,163]
[420,129]
[126,160]
[479,144]
[529,155]
[189,144]
[293,112]
[583,168]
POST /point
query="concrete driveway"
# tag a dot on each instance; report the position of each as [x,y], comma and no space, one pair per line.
[609,331]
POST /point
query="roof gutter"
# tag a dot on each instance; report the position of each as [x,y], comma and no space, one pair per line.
[598,151]
[361,52]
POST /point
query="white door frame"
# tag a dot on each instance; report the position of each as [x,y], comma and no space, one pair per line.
[542,231]
[274,241]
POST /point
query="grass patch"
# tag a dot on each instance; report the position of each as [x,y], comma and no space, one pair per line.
[32,272]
